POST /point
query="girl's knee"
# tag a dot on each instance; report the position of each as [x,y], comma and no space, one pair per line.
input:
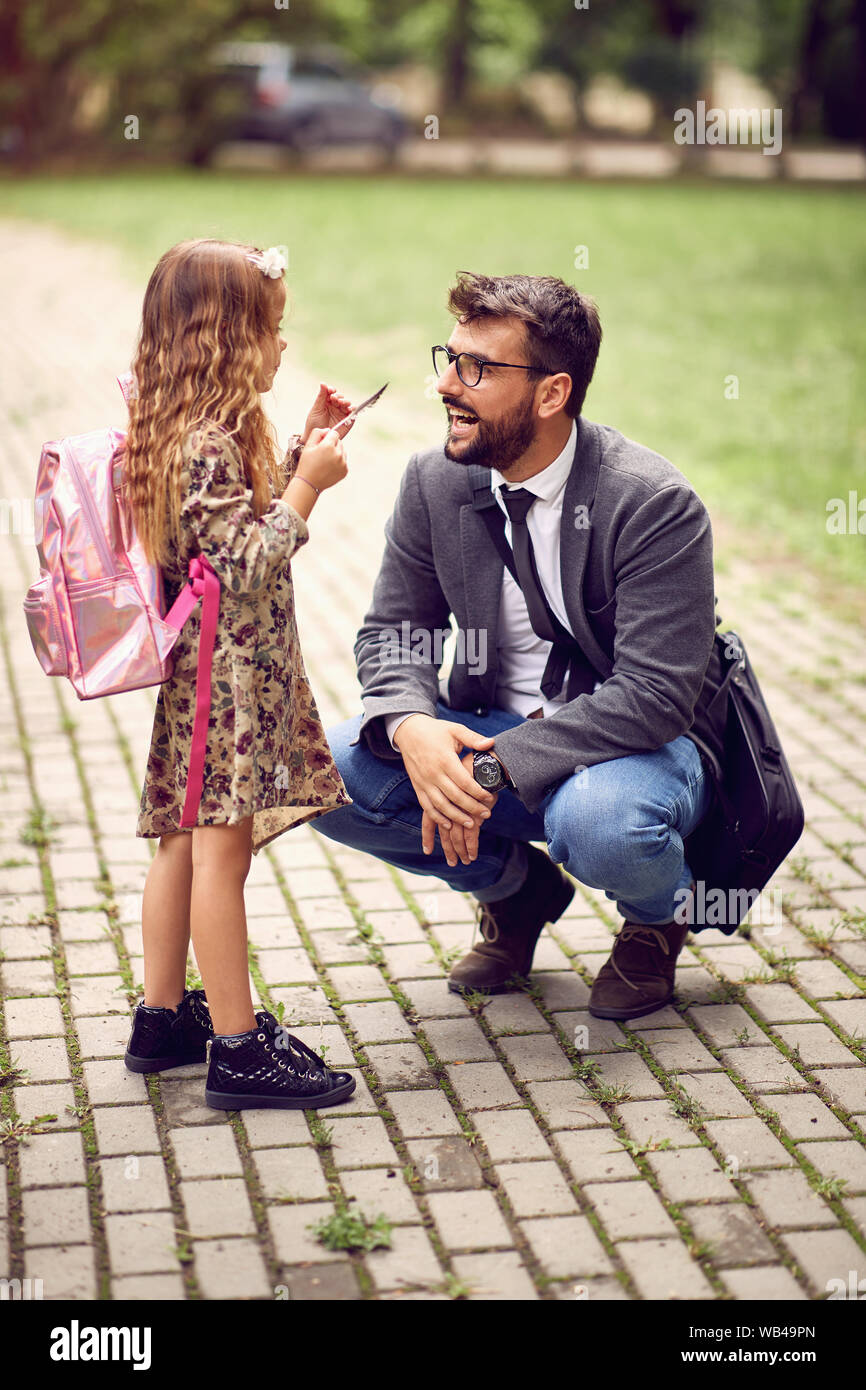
[177,845]
[223,849]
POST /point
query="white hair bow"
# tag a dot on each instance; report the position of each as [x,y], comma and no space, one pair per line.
[271,262]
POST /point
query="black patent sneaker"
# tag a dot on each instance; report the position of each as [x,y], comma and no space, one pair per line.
[270,1069]
[165,1038]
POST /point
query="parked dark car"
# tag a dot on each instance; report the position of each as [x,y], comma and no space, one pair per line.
[303,98]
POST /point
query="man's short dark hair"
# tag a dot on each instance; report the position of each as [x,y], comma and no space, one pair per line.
[562,328]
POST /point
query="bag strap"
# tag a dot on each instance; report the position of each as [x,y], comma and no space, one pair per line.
[203,584]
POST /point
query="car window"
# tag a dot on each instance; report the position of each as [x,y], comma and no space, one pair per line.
[308,67]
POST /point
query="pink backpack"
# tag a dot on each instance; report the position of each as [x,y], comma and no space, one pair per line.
[96,614]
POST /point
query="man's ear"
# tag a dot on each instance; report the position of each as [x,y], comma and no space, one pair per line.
[554,395]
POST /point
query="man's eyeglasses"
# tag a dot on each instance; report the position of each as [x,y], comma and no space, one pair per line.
[470,368]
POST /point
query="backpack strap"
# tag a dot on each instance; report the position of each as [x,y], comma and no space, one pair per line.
[203,584]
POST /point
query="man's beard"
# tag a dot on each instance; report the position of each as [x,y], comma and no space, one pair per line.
[497,444]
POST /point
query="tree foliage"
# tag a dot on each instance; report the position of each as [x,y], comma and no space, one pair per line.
[146,57]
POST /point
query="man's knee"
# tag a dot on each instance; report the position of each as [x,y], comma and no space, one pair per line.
[369,780]
[599,830]
[340,737]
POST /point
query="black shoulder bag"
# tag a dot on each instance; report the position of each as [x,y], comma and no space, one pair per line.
[756,816]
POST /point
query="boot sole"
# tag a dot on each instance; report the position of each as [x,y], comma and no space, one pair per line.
[567,892]
[149,1064]
[226,1100]
[631,1013]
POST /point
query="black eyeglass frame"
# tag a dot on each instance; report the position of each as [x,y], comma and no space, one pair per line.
[482,363]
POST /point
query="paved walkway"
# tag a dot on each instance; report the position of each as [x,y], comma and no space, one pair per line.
[712,1151]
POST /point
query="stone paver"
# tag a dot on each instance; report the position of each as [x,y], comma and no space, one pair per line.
[771,1282]
[290,1174]
[845,1087]
[510,1134]
[595,1155]
[499,1275]
[536,1189]
[826,1255]
[126,1129]
[362,1143]
[482,1085]
[843,1159]
[67,1272]
[663,1269]
[629,1209]
[205,1152]
[411,1261]
[374,1195]
[445,1164]
[218,1207]
[134,1184]
[567,1246]
[747,1144]
[422,1113]
[787,1200]
[52,1159]
[469,1220]
[690,1175]
[231,1269]
[57,1216]
[474,1119]
[806,1117]
[143,1244]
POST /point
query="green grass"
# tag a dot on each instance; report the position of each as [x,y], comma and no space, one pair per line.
[696,282]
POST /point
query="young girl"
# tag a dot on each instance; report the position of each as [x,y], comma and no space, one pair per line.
[204,478]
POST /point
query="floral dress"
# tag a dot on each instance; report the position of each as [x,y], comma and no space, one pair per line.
[267,754]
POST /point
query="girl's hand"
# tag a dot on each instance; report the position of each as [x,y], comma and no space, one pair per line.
[323,459]
[328,409]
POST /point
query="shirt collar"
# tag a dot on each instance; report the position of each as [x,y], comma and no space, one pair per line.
[551,480]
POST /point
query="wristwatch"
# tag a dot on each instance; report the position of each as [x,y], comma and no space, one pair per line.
[489,772]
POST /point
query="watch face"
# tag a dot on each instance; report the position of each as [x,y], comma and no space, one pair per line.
[488,773]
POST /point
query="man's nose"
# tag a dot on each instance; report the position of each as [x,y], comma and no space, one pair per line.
[449,383]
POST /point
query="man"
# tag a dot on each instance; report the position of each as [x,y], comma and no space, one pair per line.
[581,667]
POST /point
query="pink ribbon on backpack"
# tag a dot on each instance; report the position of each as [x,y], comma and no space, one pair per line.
[203,584]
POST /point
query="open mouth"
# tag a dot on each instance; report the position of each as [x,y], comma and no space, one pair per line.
[460,423]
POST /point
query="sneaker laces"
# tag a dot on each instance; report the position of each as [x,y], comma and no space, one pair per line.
[292,1048]
[631,931]
[197,1004]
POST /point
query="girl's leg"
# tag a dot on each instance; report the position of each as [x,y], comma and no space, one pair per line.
[220,863]
[165,921]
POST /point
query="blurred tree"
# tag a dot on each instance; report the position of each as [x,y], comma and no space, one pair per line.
[829,88]
[41,81]
[150,55]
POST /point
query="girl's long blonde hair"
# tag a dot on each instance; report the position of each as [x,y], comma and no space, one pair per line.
[206,311]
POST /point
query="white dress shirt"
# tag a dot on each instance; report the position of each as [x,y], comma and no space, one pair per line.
[522,653]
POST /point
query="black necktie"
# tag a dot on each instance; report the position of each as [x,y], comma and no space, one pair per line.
[517,503]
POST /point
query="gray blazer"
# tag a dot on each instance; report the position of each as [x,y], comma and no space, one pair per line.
[637,580]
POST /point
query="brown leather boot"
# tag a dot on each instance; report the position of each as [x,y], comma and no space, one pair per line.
[638,976]
[511,927]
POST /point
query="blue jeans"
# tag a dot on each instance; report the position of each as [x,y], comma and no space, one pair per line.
[618,825]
